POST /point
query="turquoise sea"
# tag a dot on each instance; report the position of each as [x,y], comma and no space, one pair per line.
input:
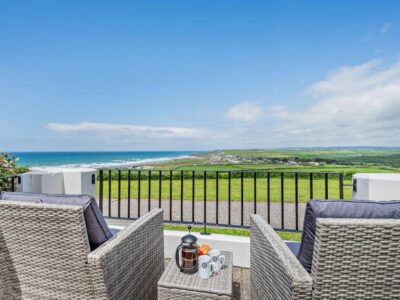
[109,159]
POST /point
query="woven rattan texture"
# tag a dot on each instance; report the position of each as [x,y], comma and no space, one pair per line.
[176,285]
[45,254]
[356,259]
[129,265]
[275,273]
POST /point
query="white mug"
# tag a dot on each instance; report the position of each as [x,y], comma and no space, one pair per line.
[206,267]
[217,259]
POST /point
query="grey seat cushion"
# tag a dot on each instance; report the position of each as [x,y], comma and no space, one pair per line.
[115,231]
[356,209]
[96,226]
[294,247]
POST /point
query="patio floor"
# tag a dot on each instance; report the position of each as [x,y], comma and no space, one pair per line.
[248,209]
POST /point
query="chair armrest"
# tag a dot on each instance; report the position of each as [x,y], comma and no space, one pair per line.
[275,273]
[129,265]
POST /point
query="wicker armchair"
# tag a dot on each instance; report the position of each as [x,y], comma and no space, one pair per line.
[353,259]
[45,254]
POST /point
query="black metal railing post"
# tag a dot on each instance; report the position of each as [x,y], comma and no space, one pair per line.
[282,201]
[241,198]
[296,197]
[216,196]
[119,193]
[255,192]
[205,205]
[229,196]
[13,183]
[159,188]
[181,196]
[326,186]
[109,193]
[139,190]
[129,194]
[101,191]
[269,197]
[170,195]
[149,191]
[341,193]
[193,194]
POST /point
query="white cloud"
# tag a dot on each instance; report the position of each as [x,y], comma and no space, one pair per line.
[385,28]
[125,130]
[358,105]
[352,106]
[244,112]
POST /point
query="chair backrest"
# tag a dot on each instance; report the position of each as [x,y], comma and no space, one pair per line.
[340,209]
[43,252]
[356,259]
[96,226]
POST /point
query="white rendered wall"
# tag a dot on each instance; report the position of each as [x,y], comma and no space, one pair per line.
[59,181]
[376,186]
[238,245]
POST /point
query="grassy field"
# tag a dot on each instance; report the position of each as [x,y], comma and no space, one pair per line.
[345,161]
[248,189]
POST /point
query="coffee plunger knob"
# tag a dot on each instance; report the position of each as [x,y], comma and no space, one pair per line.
[189,227]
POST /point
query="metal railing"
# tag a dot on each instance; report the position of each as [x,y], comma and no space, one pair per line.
[217,198]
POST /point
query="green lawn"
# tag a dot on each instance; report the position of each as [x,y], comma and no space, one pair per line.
[344,161]
[348,170]
[248,189]
[347,162]
[289,236]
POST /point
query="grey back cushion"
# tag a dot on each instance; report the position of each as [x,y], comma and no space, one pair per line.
[12,196]
[355,209]
[96,227]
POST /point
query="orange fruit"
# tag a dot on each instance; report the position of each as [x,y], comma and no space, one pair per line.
[200,251]
[205,248]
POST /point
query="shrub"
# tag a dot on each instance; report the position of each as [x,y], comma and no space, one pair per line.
[8,164]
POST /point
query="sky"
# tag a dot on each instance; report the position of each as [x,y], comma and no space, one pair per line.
[198,75]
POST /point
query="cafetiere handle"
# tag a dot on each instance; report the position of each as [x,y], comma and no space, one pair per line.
[178,250]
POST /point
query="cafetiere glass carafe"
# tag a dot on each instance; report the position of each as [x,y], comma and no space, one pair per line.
[186,255]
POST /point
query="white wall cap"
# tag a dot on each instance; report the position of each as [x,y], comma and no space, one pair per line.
[53,170]
[378,176]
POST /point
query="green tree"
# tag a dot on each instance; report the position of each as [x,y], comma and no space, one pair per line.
[8,164]
[8,167]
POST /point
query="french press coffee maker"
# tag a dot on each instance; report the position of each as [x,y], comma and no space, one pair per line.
[186,255]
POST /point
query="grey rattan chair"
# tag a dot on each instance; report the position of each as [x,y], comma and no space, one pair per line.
[353,259]
[45,254]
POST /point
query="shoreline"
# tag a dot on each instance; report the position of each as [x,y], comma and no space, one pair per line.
[129,164]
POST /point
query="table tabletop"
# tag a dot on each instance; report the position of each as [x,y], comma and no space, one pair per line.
[220,283]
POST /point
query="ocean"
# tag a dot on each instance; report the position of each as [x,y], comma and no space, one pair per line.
[110,159]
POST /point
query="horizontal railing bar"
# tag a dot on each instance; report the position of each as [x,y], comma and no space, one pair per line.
[227,171]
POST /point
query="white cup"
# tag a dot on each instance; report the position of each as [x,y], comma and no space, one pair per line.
[217,258]
[206,267]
